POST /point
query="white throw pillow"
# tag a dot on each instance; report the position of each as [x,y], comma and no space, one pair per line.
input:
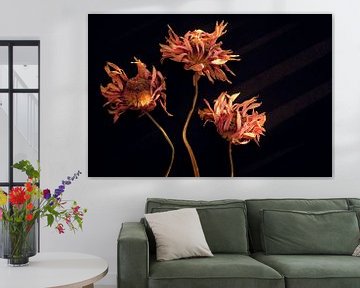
[178,234]
[357,251]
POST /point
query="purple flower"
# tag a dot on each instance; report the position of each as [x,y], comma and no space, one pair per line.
[58,192]
[46,194]
[68,181]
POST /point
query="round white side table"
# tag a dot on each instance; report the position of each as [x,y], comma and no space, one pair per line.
[50,270]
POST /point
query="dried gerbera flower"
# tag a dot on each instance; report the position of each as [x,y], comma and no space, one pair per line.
[137,93]
[233,121]
[200,52]
[238,123]
[140,93]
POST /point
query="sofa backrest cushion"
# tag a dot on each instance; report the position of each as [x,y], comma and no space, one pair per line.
[223,221]
[356,209]
[353,202]
[298,232]
[354,205]
[256,205]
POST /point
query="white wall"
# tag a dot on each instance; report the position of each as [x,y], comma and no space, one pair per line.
[62,28]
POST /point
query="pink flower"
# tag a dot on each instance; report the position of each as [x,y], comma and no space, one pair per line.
[200,52]
[238,123]
[68,219]
[1,214]
[60,228]
[75,209]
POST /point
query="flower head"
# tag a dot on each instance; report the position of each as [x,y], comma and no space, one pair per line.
[1,213]
[29,206]
[141,92]
[60,228]
[17,196]
[75,209]
[3,198]
[68,219]
[236,122]
[58,191]
[46,194]
[29,187]
[61,188]
[200,52]
[29,217]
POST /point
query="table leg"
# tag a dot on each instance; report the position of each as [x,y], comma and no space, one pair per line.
[89,286]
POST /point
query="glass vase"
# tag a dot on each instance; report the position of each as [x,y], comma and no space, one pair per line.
[18,242]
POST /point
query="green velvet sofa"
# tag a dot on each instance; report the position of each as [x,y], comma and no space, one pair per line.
[234,230]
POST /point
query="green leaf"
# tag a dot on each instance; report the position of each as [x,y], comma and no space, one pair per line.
[28,168]
[79,221]
[50,219]
[53,211]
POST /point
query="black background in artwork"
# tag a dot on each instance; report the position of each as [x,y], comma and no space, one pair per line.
[286,60]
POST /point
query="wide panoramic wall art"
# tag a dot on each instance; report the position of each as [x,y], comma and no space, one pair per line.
[210,95]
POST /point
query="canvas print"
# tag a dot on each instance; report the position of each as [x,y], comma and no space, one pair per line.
[210,95]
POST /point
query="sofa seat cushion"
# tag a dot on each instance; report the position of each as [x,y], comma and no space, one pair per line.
[313,271]
[222,270]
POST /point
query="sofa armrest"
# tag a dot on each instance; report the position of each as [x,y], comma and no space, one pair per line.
[133,256]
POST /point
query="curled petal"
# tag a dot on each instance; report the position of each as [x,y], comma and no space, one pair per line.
[219,61]
[117,75]
[141,67]
[197,67]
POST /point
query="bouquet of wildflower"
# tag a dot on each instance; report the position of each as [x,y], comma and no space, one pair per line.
[27,204]
[22,206]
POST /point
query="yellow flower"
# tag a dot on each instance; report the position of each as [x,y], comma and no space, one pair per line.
[3,198]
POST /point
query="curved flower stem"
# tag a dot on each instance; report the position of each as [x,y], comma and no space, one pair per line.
[167,139]
[184,136]
[231,160]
